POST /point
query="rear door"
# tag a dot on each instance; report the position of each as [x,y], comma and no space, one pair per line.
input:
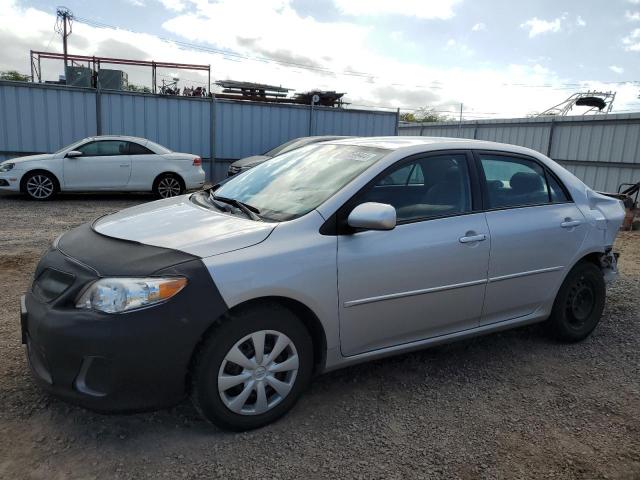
[145,165]
[104,165]
[536,231]
[427,276]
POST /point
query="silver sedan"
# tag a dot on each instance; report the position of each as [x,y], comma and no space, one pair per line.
[331,254]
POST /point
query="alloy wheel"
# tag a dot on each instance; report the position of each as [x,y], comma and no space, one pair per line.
[258,372]
[40,187]
[169,187]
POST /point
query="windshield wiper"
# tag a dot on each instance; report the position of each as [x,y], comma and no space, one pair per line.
[249,210]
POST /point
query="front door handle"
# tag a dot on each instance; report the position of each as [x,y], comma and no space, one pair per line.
[124,165]
[473,238]
[568,223]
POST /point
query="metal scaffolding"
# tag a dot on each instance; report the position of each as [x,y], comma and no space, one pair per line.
[94,63]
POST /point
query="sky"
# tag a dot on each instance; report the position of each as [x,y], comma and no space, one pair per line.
[498,58]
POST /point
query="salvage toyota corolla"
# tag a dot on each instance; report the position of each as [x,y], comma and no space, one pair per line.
[325,256]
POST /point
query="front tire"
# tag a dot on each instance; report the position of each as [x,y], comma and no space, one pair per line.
[40,186]
[579,303]
[252,368]
[168,185]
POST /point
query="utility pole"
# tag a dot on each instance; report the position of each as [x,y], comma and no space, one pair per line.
[460,121]
[64,23]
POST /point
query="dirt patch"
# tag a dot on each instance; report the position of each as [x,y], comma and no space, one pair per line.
[509,405]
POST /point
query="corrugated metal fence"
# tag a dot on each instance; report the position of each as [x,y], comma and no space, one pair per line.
[603,151]
[36,118]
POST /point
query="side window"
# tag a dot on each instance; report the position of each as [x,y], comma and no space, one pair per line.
[427,188]
[113,148]
[408,175]
[89,149]
[137,149]
[104,148]
[513,182]
[557,192]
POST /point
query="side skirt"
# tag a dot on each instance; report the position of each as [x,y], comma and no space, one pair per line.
[335,360]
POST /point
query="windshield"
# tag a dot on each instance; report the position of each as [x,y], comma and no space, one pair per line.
[294,183]
[74,144]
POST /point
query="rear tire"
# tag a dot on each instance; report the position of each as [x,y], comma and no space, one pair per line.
[40,186]
[236,384]
[579,304]
[168,185]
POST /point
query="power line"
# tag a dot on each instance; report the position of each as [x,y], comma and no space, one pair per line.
[64,26]
[435,85]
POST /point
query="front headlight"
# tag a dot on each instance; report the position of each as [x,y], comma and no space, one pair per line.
[114,295]
[5,167]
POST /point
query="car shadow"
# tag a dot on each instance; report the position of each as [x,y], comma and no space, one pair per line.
[12,196]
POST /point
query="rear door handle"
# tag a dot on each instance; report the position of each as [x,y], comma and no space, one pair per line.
[473,238]
[124,165]
[570,223]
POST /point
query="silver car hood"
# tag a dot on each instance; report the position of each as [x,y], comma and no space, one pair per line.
[178,224]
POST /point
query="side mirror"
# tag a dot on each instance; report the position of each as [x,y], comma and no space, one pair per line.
[73,154]
[373,216]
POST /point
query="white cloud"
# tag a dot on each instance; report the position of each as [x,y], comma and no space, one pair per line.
[537,26]
[616,69]
[632,16]
[425,9]
[397,36]
[634,2]
[632,41]
[338,46]
[458,47]
[136,3]
[269,30]
[479,27]
[581,22]
[173,5]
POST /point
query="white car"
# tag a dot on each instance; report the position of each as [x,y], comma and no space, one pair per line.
[105,163]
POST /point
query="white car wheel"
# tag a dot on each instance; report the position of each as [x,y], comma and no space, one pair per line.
[168,186]
[40,186]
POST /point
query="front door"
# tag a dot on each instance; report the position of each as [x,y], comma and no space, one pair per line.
[536,231]
[104,165]
[426,277]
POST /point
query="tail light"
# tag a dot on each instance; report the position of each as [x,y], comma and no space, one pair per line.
[197,162]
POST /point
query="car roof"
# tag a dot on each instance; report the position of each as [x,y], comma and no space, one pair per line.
[328,137]
[317,139]
[118,137]
[429,143]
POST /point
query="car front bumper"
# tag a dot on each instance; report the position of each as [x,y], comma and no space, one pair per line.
[129,361]
[10,181]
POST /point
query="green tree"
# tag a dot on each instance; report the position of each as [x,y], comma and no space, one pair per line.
[14,76]
[425,114]
[138,88]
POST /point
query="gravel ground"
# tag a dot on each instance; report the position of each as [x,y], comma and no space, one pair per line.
[508,405]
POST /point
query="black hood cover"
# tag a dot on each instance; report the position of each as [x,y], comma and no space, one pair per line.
[112,256]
